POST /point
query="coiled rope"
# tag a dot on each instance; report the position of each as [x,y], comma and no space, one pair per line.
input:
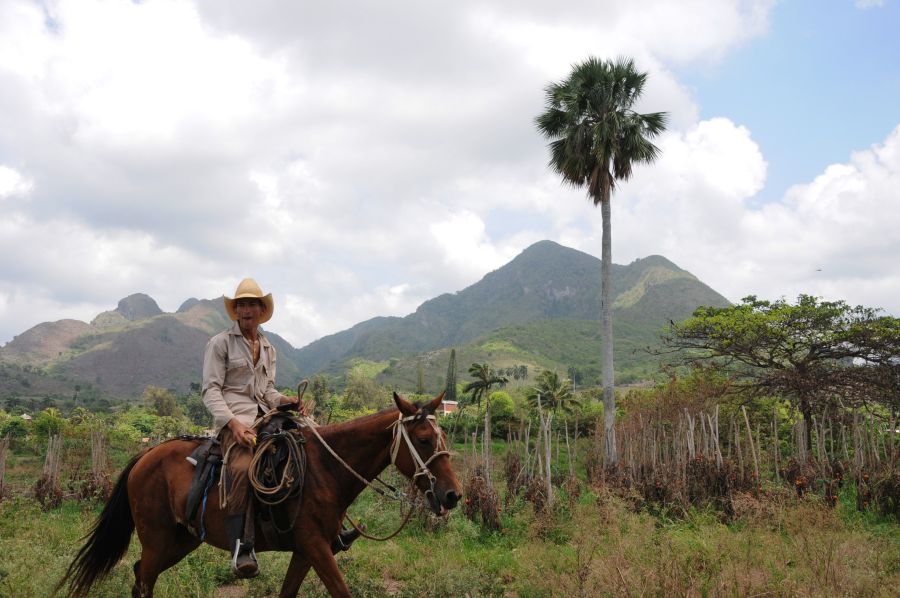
[271,488]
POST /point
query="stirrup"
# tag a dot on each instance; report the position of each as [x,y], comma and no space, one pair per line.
[249,566]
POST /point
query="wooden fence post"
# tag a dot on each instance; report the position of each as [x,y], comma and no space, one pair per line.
[752,449]
[4,444]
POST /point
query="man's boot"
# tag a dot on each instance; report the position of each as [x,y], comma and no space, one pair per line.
[243,560]
[345,538]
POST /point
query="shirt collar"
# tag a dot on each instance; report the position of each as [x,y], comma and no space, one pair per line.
[263,341]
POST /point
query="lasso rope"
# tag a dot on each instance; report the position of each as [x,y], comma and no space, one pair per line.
[269,488]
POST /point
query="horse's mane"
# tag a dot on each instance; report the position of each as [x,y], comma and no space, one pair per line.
[357,421]
[364,419]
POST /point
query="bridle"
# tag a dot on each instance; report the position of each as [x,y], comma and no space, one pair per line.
[402,434]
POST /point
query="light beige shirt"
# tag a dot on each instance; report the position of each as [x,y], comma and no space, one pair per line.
[232,385]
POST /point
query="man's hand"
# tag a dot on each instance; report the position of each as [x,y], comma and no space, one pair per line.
[298,404]
[242,434]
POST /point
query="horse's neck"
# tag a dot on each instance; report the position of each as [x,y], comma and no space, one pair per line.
[364,446]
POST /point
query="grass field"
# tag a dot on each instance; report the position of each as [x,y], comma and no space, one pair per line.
[594,545]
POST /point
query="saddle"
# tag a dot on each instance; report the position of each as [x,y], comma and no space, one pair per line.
[279,438]
[278,478]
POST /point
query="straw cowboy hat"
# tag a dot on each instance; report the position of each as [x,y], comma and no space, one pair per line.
[249,289]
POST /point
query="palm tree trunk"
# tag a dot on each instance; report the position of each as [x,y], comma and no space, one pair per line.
[606,332]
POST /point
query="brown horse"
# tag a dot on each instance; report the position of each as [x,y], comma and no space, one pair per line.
[151,493]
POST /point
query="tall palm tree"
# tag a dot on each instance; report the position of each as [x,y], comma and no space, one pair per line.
[480,387]
[553,392]
[596,138]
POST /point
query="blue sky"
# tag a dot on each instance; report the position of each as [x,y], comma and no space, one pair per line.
[358,159]
[822,82]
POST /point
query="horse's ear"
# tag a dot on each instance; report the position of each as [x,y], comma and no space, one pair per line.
[435,403]
[405,407]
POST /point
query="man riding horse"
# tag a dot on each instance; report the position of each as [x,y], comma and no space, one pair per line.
[238,387]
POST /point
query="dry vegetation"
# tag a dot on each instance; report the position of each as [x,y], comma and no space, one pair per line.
[707,502]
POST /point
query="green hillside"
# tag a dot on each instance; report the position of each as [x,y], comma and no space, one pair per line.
[546,344]
[546,282]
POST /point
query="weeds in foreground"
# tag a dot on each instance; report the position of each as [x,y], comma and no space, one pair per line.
[593,544]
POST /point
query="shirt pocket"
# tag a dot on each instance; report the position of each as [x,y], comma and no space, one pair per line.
[239,373]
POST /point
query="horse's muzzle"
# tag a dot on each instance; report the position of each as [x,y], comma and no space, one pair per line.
[441,502]
[450,499]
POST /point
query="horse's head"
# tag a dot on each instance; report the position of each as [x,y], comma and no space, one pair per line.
[420,452]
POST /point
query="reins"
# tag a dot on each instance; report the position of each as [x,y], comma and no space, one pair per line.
[421,469]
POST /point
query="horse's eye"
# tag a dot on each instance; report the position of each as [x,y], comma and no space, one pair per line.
[424,441]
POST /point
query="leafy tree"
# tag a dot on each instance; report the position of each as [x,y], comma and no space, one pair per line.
[363,392]
[809,352]
[80,415]
[502,404]
[143,422]
[49,421]
[503,409]
[15,427]
[553,392]
[159,400]
[329,407]
[168,426]
[13,403]
[320,391]
[197,412]
[596,138]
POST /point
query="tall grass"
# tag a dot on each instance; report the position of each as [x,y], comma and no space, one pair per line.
[597,545]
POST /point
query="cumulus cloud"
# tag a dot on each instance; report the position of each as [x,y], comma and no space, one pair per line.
[835,236]
[12,183]
[358,159]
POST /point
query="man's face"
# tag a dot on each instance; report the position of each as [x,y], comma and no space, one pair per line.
[249,312]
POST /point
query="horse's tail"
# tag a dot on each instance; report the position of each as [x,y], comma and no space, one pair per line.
[107,541]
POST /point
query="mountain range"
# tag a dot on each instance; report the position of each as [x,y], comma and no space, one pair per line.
[540,309]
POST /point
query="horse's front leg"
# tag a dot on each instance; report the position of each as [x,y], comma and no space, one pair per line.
[296,573]
[326,568]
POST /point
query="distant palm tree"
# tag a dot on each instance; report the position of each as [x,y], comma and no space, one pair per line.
[485,379]
[553,392]
[480,387]
[596,137]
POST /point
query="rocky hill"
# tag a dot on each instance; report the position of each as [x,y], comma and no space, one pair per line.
[124,350]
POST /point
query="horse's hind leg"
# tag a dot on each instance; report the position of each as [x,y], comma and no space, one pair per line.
[296,573]
[165,553]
